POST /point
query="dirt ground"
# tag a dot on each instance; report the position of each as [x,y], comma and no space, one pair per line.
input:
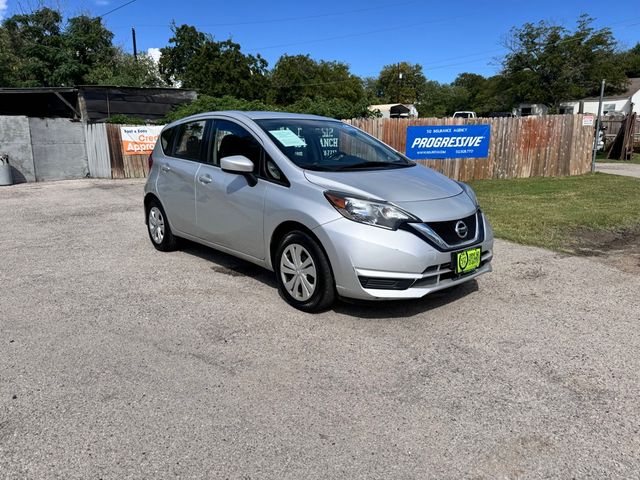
[619,249]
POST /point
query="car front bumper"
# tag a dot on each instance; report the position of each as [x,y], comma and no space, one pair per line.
[398,264]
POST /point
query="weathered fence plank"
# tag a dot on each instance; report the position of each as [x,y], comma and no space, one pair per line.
[124,166]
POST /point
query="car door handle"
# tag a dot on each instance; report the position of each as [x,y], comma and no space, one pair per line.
[165,168]
[205,179]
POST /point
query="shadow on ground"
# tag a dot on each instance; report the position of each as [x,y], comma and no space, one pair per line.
[236,267]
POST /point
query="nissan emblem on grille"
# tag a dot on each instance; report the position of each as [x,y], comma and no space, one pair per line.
[461,229]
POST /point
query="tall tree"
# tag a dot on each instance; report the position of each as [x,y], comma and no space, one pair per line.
[185,44]
[89,44]
[36,40]
[9,62]
[123,70]
[631,61]
[296,77]
[401,83]
[220,68]
[548,63]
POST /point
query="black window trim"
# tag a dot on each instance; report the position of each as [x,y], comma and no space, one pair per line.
[205,139]
[169,149]
[262,168]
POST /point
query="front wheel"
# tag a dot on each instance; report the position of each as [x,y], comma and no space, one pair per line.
[303,273]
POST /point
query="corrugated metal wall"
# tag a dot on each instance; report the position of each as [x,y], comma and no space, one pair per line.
[98,150]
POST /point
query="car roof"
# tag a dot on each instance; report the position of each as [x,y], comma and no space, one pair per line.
[255,115]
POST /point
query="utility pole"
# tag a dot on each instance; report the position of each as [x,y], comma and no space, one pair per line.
[399,85]
[595,140]
[135,46]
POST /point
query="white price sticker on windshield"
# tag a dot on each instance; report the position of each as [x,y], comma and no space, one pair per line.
[287,138]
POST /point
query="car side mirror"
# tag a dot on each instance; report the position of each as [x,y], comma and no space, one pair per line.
[241,165]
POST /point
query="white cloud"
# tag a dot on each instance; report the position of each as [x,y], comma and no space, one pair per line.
[103,3]
[152,52]
[3,8]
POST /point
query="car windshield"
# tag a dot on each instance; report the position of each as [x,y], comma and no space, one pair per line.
[330,145]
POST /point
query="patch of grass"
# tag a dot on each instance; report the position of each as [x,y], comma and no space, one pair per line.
[563,214]
[601,157]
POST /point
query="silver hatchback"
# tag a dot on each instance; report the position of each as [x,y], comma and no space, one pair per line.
[332,210]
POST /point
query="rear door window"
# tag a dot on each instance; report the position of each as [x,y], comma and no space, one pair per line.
[189,141]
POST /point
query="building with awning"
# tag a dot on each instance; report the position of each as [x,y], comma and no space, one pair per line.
[93,103]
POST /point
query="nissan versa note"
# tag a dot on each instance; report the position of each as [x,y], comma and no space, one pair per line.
[332,210]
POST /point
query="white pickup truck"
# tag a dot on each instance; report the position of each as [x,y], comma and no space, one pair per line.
[465,114]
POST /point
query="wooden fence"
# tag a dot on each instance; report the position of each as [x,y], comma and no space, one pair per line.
[612,127]
[124,166]
[550,146]
[104,152]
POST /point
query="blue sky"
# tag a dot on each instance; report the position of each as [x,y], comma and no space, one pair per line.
[446,37]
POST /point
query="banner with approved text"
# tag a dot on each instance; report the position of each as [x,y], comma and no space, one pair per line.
[139,140]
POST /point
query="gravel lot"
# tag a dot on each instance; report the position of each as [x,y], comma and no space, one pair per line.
[117,361]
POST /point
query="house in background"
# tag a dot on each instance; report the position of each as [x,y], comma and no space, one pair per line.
[395,110]
[626,102]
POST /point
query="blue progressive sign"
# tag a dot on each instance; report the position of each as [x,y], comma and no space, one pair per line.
[448,141]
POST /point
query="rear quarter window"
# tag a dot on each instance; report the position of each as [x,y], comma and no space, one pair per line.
[165,140]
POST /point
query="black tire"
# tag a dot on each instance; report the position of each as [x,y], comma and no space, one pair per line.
[324,291]
[166,242]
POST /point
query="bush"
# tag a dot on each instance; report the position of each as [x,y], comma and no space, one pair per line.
[121,119]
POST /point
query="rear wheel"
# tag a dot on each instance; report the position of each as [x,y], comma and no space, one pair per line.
[158,227]
[303,273]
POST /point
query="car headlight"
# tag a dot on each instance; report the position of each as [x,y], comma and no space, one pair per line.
[470,193]
[370,212]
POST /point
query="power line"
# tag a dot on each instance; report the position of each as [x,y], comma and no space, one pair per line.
[117,8]
[289,19]
[359,34]
[447,65]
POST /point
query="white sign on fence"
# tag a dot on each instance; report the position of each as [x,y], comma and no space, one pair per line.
[139,140]
[587,121]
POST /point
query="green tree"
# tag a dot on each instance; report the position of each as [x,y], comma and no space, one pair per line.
[631,61]
[36,41]
[296,77]
[220,68]
[400,83]
[9,62]
[548,63]
[123,70]
[185,44]
[88,44]
[494,96]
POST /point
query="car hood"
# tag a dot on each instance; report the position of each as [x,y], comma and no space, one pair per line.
[412,184]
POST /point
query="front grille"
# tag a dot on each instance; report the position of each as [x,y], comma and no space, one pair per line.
[443,235]
[447,230]
[435,275]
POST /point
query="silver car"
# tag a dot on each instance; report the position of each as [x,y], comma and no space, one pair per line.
[332,210]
